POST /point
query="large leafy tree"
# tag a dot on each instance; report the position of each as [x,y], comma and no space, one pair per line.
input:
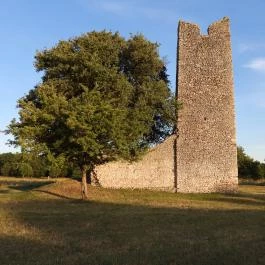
[101,98]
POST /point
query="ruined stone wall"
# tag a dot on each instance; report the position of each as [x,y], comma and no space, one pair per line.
[202,158]
[154,171]
[206,146]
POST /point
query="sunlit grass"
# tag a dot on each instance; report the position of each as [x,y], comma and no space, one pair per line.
[47,223]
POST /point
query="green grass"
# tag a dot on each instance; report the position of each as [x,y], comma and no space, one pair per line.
[46,223]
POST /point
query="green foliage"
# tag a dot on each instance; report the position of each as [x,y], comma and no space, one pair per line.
[101,98]
[32,165]
[248,167]
[9,164]
[25,170]
[6,170]
[56,165]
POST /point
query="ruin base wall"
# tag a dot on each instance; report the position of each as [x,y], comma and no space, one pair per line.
[154,171]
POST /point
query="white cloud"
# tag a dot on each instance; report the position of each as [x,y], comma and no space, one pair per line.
[257,64]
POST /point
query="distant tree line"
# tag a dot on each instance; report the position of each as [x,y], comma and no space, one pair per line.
[248,167]
[30,165]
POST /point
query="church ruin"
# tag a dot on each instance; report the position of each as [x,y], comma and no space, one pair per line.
[202,155]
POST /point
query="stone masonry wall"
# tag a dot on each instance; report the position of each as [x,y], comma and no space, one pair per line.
[206,159]
[202,158]
[155,171]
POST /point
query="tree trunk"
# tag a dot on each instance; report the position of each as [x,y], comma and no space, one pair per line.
[84,184]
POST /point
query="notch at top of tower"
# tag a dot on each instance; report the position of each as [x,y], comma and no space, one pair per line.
[217,28]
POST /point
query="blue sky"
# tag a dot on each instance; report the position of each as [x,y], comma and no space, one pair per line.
[31,25]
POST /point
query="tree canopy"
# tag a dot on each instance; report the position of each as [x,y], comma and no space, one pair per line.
[248,167]
[101,97]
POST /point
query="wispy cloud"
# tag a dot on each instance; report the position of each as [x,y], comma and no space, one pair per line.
[159,14]
[257,64]
[258,99]
[250,47]
[128,9]
[114,7]
[244,47]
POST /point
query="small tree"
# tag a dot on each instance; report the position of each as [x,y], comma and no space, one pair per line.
[101,98]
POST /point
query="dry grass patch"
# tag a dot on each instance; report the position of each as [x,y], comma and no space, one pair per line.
[129,226]
[247,197]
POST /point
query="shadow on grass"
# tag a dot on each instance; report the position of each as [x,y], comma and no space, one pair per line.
[76,233]
[4,191]
[27,186]
[252,182]
[241,199]
[58,195]
[244,199]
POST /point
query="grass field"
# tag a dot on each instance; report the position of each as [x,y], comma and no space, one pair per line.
[46,223]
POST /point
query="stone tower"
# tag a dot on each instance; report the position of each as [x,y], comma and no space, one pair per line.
[206,154]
